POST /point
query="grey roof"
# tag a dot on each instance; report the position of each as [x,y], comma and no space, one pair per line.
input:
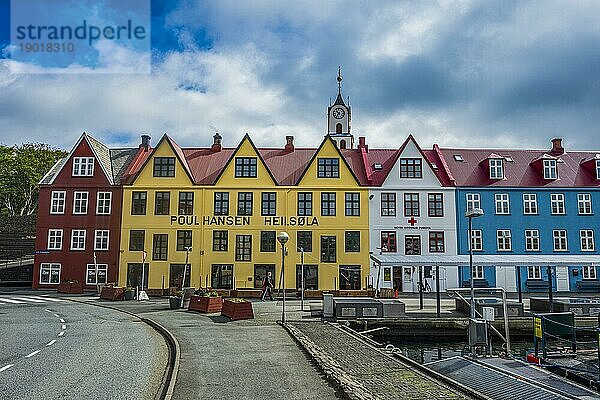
[120,160]
[53,171]
[103,156]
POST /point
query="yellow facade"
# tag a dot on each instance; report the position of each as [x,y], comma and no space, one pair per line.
[205,262]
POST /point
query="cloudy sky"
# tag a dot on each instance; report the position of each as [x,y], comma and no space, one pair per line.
[458,73]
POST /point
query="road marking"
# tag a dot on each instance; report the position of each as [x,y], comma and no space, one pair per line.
[51,342]
[28,299]
[32,354]
[6,367]
[57,316]
[12,301]
[61,333]
[47,298]
[64,327]
[48,311]
[62,320]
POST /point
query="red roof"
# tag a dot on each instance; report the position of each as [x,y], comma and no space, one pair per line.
[286,167]
[519,172]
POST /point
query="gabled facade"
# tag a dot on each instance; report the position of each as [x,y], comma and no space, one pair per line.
[229,204]
[79,216]
[542,211]
[412,216]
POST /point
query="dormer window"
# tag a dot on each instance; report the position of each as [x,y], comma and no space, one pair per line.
[377,166]
[598,169]
[410,168]
[550,170]
[83,166]
[496,168]
[328,168]
[458,157]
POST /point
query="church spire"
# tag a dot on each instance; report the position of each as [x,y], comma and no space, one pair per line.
[339,100]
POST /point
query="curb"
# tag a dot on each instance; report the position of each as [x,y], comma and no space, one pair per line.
[167,385]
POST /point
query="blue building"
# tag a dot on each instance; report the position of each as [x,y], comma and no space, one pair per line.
[541,209]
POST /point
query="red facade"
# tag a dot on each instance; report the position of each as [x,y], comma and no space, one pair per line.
[54,266]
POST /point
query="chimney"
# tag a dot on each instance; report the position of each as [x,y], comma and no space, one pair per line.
[362,143]
[289,143]
[216,146]
[145,142]
[557,148]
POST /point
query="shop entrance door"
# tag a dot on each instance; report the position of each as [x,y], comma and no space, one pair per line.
[397,277]
[407,279]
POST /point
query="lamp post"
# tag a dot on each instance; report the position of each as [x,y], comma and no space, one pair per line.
[473,213]
[283,238]
[187,254]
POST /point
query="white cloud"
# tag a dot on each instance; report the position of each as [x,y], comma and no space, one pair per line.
[271,69]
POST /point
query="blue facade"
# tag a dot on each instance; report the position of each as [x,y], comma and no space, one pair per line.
[544,221]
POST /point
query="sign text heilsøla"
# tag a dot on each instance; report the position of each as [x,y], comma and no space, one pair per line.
[231,220]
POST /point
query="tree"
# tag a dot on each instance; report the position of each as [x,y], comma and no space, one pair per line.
[21,169]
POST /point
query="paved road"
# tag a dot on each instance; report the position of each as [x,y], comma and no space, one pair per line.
[251,359]
[53,349]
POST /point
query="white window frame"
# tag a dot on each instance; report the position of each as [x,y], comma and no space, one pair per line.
[55,236]
[534,272]
[532,240]
[496,167]
[557,199]
[103,235]
[476,239]
[597,169]
[50,267]
[502,201]
[83,200]
[473,201]
[584,203]
[58,198]
[83,166]
[478,272]
[91,269]
[504,240]
[79,236]
[530,201]
[103,203]
[589,272]
[550,169]
[559,236]
[586,240]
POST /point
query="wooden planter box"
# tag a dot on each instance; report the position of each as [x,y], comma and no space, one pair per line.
[237,310]
[206,304]
[72,288]
[112,293]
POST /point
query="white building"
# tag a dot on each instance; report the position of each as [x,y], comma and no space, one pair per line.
[412,219]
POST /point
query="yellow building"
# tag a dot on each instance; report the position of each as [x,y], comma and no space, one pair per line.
[228,205]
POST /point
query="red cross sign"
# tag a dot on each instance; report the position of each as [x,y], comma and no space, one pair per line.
[412,221]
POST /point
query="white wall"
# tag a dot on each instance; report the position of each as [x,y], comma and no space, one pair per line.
[428,184]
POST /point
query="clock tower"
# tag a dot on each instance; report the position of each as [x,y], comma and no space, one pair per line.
[338,119]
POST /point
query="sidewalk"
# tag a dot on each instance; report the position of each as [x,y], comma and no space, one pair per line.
[221,359]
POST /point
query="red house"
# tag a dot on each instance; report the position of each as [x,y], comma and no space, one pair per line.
[79,214]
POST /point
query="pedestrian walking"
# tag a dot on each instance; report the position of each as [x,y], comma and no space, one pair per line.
[267,287]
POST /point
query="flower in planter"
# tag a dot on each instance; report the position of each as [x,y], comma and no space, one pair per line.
[237,300]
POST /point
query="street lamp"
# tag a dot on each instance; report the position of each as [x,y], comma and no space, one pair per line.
[283,238]
[473,213]
[187,254]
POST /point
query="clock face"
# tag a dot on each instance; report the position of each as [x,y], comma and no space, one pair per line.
[338,113]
